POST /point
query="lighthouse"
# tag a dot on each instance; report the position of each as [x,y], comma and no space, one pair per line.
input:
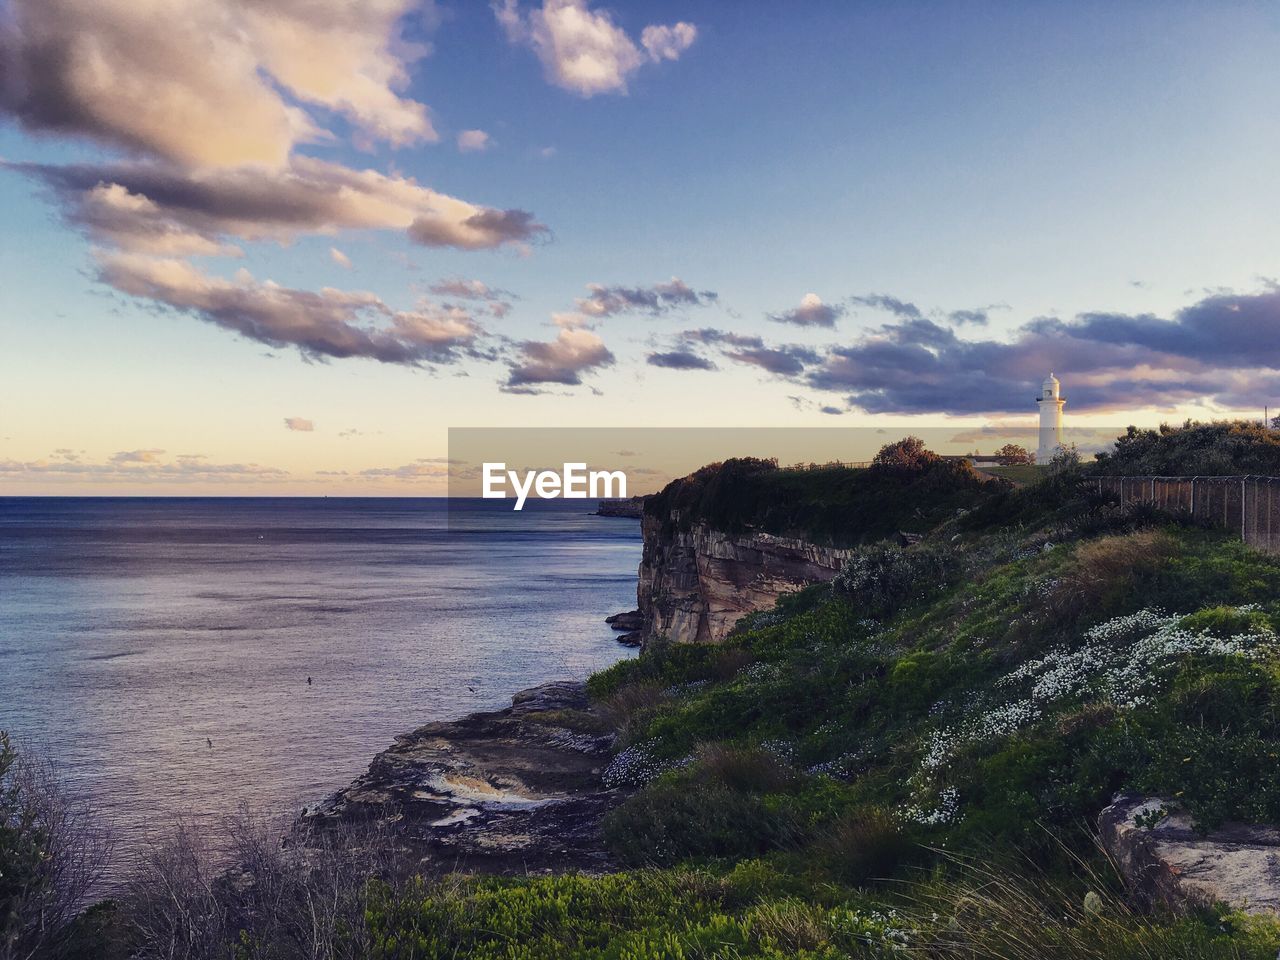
[1050,403]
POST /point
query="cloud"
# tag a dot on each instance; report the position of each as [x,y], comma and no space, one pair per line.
[680,360]
[497,301]
[583,50]
[812,312]
[473,141]
[328,323]
[144,466]
[563,360]
[977,318]
[710,335]
[667,43]
[881,301]
[148,208]
[782,360]
[832,411]
[606,301]
[129,456]
[1225,348]
[299,424]
[426,468]
[210,82]
[340,258]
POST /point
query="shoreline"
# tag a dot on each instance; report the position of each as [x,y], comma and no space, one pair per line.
[513,791]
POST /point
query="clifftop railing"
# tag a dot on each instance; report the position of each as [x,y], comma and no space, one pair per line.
[1248,504]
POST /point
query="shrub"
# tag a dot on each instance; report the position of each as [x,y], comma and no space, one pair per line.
[1017,912]
[860,845]
[1109,569]
[52,855]
[883,578]
[630,707]
[745,769]
[834,504]
[1221,448]
[242,893]
[716,807]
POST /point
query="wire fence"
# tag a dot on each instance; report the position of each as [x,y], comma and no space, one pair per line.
[1249,505]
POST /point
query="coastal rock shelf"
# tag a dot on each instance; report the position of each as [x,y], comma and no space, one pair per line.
[1170,864]
[513,791]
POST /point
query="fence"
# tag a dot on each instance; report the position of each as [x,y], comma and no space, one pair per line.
[1250,505]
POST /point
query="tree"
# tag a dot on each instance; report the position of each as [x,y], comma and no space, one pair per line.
[51,857]
[1012,454]
[908,454]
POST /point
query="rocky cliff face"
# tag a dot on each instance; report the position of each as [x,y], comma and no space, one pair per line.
[695,584]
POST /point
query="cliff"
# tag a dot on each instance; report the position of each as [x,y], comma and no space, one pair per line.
[630,508]
[695,583]
[733,537]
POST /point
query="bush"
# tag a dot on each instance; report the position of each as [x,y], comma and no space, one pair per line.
[1108,570]
[1221,448]
[860,845]
[912,490]
[243,893]
[908,455]
[52,855]
[718,806]
[883,578]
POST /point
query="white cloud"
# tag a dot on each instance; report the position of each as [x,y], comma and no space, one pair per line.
[563,360]
[811,312]
[148,208]
[473,141]
[340,258]
[583,50]
[210,82]
[667,43]
[327,323]
[144,466]
[299,424]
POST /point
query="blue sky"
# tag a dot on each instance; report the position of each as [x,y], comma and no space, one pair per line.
[1093,181]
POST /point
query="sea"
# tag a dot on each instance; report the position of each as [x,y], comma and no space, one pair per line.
[177,658]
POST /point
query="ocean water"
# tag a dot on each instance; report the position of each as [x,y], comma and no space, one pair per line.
[159,649]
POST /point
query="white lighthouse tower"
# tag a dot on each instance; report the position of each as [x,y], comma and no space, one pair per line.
[1050,403]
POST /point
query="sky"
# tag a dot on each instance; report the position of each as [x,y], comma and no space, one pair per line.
[282,246]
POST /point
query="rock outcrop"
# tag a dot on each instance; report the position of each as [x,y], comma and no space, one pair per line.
[632,508]
[1170,864]
[696,583]
[513,791]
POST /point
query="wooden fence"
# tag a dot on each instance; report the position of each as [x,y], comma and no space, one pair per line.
[1249,505]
